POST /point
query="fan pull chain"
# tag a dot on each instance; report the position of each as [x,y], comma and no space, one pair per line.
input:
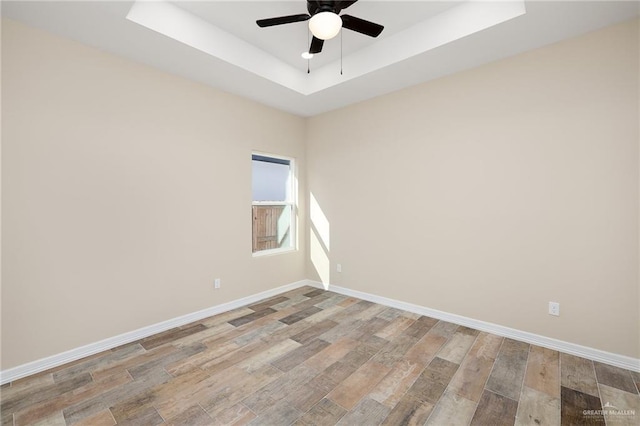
[308,49]
[341,52]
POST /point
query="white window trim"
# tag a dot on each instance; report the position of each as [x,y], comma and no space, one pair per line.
[293,203]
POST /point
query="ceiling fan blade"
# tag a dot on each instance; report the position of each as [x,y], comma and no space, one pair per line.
[316,45]
[341,5]
[282,20]
[361,26]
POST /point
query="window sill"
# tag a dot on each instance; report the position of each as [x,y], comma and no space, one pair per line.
[273,252]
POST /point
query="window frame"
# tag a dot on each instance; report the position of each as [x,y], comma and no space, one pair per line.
[292,202]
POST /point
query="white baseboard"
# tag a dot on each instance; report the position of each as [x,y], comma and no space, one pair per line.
[621,361]
[43,364]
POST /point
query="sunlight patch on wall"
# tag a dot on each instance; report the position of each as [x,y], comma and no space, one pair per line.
[319,259]
[319,221]
[319,244]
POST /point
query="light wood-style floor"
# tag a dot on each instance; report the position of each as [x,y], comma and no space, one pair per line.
[310,357]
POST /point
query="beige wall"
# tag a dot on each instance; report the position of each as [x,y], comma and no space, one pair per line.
[125,192]
[492,192]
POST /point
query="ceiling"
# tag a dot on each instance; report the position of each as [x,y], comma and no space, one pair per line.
[218,43]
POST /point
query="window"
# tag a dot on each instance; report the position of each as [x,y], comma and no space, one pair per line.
[273,207]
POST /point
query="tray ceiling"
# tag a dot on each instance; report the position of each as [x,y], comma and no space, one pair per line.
[219,44]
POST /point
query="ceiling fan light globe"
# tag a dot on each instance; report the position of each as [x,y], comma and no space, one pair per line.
[325,25]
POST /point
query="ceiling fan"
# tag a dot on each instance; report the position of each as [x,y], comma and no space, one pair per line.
[325,22]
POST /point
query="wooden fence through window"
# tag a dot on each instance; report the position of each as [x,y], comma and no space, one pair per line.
[265,227]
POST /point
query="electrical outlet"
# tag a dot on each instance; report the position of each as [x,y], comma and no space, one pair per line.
[216,283]
[339,267]
[554,308]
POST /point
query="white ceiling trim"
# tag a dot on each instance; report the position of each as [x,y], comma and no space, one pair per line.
[178,24]
[453,24]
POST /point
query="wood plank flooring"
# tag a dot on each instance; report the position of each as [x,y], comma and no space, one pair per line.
[311,357]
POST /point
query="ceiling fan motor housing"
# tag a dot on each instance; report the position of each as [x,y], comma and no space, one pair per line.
[321,6]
